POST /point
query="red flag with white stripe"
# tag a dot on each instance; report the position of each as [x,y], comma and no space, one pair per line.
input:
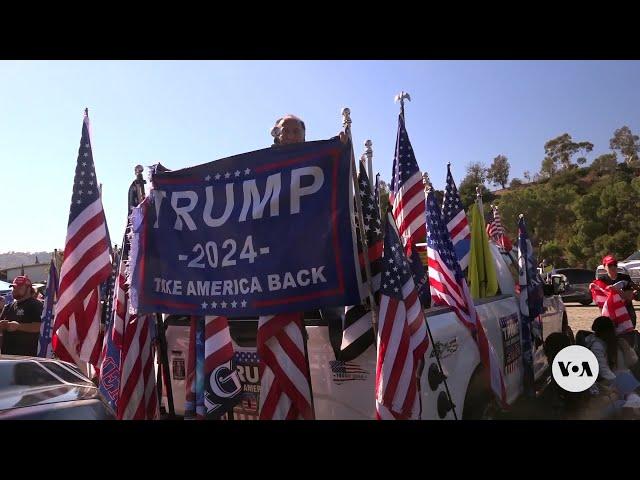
[138,395]
[612,305]
[285,393]
[86,264]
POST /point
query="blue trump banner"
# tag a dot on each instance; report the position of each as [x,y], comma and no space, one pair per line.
[263,232]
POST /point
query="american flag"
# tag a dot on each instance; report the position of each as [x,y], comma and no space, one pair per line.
[218,353]
[357,333]
[86,264]
[612,305]
[407,192]
[448,287]
[402,335]
[531,302]
[285,393]
[420,278]
[128,365]
[138,399]
[347,371]
[456,220]
[496,231]
[48,312]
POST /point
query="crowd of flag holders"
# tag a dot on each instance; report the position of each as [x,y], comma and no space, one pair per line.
[92,290]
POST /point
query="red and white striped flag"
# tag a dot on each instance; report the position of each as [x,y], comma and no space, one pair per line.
[612,305]
[407,191]
[285,393]
[402,335]
[86,264]
[138,398]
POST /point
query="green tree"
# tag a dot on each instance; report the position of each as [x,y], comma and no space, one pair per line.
[605,163]
[498,172]
[548,167]
[627,144]
[515,182]
[554,253]
[475,177]
[560,150]
[383,192]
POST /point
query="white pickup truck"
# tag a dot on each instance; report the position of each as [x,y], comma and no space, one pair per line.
[345,390]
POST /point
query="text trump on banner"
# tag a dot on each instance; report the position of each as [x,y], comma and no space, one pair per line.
[264,232]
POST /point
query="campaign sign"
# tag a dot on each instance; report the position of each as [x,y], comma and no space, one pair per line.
[264,232]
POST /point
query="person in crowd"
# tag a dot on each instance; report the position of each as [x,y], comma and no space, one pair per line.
[20,321]
[615,361]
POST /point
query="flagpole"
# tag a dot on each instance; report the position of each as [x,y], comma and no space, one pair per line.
[377,189]
[368,153]
[441,375]
[479,200]
[346,123]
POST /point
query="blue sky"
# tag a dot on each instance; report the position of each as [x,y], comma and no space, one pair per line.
[184,113]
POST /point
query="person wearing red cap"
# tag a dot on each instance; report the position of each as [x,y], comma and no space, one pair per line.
[20,320]
[623,284]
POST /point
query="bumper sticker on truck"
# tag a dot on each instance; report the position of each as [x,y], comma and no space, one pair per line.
[511,342]
[347,372]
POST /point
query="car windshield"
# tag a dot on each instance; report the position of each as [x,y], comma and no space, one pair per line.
[635,256]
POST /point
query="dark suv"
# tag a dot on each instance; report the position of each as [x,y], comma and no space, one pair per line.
[35,388]
[577,285]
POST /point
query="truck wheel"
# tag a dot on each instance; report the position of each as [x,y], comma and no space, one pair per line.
[478,402]
[586,303]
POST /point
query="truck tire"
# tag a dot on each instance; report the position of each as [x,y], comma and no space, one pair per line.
[586,303]
[478,402]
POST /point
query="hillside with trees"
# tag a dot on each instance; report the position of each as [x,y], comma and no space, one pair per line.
[575,213]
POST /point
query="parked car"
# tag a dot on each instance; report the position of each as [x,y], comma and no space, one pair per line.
[576,287]
[33,388]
